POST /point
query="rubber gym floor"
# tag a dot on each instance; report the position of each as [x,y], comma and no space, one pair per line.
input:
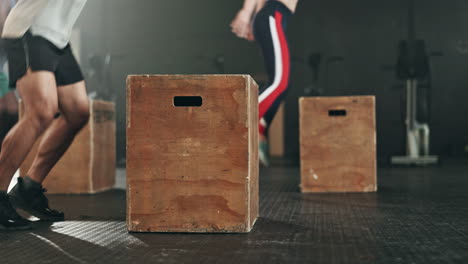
[419,215]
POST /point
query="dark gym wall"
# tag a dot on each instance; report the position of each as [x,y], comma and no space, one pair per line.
[163,37]
[445,27]
[356,39]
[365,34]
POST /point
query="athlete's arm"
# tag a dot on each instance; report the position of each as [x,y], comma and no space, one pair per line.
[22,16]
[4,9]
[242,23]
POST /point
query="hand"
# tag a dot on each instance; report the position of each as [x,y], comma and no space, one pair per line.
[242,25]
[250,35]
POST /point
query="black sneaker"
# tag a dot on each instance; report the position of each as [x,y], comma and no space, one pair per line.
[29,196]
[9,218]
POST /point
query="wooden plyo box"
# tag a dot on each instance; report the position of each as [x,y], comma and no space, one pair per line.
[192,153]
[88,166]
[338,144]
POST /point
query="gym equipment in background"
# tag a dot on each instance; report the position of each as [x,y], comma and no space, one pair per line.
[192,153]
[338,144]
[413,66]
[99,76]
[314,62]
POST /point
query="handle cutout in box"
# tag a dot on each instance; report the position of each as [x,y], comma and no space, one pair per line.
[336,112]
[188,101]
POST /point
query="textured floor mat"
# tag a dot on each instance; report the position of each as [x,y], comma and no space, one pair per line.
[418,216]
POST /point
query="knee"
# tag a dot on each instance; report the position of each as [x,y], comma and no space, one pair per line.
[80,115]
[41,117]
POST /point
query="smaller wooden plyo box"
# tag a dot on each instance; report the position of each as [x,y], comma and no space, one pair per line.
[192,153]
[338,144]
[88,166]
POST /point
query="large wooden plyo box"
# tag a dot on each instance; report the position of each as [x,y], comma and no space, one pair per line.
[88,166]
[192,153]
[338,144]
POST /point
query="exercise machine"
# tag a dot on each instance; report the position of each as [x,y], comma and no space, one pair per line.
[413,66]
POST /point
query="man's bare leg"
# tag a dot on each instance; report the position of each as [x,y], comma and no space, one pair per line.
[74,108]
[39,94]
[28,193]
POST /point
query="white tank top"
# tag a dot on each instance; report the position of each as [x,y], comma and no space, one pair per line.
[51,19]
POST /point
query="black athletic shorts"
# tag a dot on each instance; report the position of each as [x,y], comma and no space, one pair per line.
[39,54]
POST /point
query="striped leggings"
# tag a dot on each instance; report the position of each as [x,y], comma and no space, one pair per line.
[269,31]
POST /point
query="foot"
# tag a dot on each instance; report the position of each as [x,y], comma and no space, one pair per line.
[9,218]
[29,196]
[264,151]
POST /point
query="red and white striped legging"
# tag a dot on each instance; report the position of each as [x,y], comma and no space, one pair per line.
[269,31]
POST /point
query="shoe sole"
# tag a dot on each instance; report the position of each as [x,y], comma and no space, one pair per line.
[18,228]
[20,205]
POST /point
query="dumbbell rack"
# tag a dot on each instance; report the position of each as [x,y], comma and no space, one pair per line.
[417,134]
